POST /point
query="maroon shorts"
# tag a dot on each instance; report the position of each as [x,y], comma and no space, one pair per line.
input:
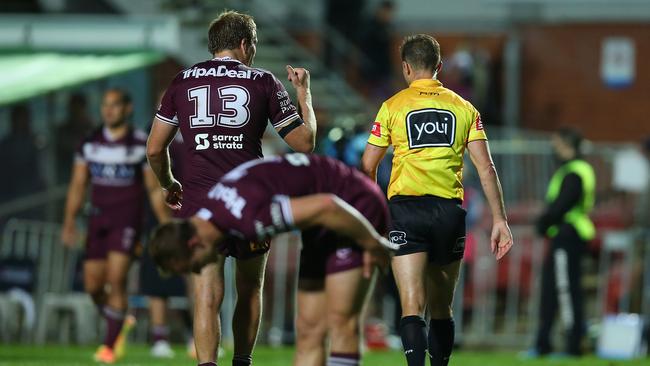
[231,246]
[105,235]
[325,252]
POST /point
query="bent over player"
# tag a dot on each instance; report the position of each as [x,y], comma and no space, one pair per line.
[430,127]
[251,203]
[112,159]
[222,107]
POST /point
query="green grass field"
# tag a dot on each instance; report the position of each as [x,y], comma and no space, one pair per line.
[265,356]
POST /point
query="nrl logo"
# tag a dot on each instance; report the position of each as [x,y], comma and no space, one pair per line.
[397,237]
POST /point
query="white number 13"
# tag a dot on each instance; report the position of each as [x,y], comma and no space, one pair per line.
[234,107]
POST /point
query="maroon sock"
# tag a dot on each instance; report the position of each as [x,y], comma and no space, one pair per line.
[114,321]
[343,359]
[159,333]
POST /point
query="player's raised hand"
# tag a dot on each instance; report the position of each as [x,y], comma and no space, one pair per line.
[298,77]
[174,195]
[501,239]
[69,234]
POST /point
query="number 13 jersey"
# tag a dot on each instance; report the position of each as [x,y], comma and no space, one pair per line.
[222,107]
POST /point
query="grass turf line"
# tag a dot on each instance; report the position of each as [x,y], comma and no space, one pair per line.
[138,355]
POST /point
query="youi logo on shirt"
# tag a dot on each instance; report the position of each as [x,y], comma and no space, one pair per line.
[430,128]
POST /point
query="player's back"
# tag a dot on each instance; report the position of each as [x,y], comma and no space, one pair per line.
[222,107]
[252,200]
[300,174]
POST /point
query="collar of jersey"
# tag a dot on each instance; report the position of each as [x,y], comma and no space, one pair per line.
[225,58]
[425,83]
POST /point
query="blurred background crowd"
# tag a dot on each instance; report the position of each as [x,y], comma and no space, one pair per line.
[530,67]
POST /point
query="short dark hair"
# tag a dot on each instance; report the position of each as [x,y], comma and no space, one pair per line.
[421,51]
[572,137]
[169,241]
[125,96]
[229,29]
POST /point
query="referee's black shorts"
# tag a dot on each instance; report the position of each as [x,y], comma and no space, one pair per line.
[428,224]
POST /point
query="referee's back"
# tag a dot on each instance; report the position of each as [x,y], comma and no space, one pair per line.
[429,127]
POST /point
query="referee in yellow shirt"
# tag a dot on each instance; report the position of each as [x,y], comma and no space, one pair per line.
[430,127]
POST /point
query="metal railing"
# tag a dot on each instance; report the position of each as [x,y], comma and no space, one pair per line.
[498,301]
[40,242]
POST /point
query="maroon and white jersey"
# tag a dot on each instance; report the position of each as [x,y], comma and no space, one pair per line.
[222,107]
[252,201]
[116,171]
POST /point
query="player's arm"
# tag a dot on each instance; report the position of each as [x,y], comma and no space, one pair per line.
[156,197]
[74,201]
[501,238]
[160,136]
[378,141]
[303,137]
[370,160]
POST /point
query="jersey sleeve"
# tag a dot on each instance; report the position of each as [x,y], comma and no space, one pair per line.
[167,111]
[380,133]
[476,131]
[282,112]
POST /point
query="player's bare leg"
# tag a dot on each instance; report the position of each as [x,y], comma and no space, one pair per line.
[117,268]
[346,296]
[311,325]
[159,328]
[157,311]
[441,284]
[248,309]
[409,272]
[208,288]
[95,281]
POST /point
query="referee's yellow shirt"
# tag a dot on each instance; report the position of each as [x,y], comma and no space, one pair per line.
[429,127]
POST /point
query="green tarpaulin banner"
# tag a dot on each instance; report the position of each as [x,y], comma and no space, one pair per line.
[26,75]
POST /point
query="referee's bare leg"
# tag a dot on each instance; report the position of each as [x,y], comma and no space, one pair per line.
[410,275]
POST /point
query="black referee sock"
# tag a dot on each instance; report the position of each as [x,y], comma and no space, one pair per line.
[242,360]
[412,329]
[441,341]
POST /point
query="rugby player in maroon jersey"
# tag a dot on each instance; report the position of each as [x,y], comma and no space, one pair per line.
[113,161]
[221,107]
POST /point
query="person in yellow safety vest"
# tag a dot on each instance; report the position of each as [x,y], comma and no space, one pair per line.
[565,221]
